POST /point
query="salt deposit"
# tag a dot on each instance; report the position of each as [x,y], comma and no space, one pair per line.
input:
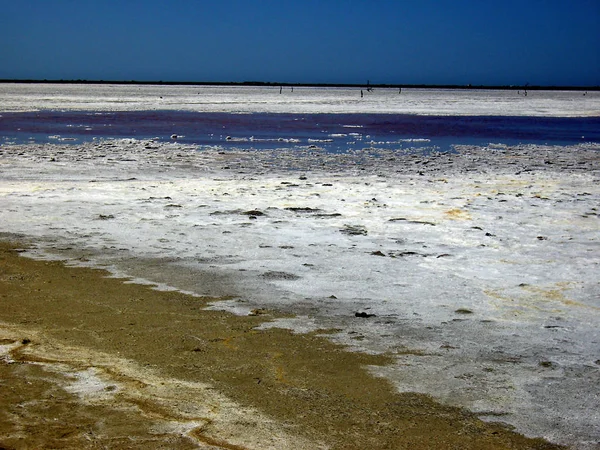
[86,97]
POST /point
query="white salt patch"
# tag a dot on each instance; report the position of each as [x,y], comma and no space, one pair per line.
[5,350]
[232,306]
[88,383]
[299,324]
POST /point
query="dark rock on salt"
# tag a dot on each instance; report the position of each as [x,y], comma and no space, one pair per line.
[363,315]
[328,215]
[354,230]
[377,253]
[254,213]
[403,219]
[407,253]
[230,211]
[302,209]
[276,275]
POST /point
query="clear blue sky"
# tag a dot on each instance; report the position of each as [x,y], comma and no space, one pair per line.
[540,42]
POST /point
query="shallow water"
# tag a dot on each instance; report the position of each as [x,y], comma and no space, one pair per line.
[332,132]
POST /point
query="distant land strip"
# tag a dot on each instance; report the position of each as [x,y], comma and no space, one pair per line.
[322,85]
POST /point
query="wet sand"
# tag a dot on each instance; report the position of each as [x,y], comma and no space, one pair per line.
[89,361]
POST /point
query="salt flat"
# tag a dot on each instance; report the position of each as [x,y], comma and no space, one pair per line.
[477,270]
[239,99]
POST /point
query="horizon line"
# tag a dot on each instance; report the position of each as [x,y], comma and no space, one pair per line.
[301,84]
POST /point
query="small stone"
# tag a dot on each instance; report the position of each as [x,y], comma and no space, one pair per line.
[463,311]
[363,315]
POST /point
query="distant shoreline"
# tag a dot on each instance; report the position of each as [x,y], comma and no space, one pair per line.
[326,85]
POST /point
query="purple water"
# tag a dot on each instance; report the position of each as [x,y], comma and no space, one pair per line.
[333,132]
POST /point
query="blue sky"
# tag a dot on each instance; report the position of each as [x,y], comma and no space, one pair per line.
[540,42]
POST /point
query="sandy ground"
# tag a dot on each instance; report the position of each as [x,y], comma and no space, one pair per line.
[88,361]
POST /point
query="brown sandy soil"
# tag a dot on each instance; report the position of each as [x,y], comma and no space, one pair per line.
[88,361]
